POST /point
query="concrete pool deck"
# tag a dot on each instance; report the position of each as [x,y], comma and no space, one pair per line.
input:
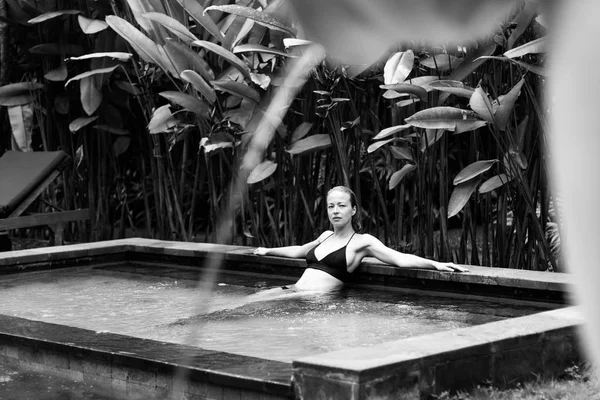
[513,349]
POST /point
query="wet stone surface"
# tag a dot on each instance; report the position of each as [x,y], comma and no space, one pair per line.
[20,384]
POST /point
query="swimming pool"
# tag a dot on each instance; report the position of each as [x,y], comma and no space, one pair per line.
[162,303]
[498,345]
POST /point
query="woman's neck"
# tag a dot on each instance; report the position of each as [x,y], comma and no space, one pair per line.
[343,232]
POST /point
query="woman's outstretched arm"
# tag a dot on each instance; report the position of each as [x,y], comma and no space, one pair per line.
[289,251]
[376,249]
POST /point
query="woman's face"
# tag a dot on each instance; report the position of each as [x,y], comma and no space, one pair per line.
[339,208]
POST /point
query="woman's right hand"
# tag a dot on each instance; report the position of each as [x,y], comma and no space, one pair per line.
[260,251]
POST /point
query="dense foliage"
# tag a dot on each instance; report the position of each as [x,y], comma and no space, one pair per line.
[157,101]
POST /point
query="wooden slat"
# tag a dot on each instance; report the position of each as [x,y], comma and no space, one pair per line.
[34,194]
[43,219]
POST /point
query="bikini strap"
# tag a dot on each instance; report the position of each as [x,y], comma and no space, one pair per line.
[350,238]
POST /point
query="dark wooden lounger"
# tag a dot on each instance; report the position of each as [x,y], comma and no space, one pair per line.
[23,177]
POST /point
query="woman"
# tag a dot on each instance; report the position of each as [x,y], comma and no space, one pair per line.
[333,256]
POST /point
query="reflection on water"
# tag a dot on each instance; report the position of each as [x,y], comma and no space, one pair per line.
[243,317]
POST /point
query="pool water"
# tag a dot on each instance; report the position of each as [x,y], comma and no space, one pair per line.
[240,316]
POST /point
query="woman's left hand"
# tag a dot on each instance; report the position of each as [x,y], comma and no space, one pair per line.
[449,267]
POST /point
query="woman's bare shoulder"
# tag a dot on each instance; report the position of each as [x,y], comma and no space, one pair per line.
[324,236]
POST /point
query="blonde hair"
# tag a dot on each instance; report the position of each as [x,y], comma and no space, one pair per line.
[356,218]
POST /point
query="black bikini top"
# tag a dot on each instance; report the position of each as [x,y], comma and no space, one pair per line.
[334,263]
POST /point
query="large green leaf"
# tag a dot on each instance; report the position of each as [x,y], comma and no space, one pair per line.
[310,144]
[162,120]
[52,14]
[460,196]
[441,62]
[18,94]
[398,67]
[533,68]
[472,170]
[142,44]
[401,153]
[58,74]
[91,73]
[226,54]
[494,183]
[390,131]
[121,56]
[90,26]
[481,104]
[194,61]
[449,118]
[261,172]
[237,89]
[199,84]
[138,8]
[260,17]
[90,97]
[407,88]
[80,122]
[196,11]
[471,62]
[257,48]
[535,46]
[301,131]
[453,87]
[507,105]
[172,25]
[397,176]
[188,102]
[522,21]
[424,81]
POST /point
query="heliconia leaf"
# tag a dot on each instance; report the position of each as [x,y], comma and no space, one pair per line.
[460,196]
[390,131]
[237,89]
[521,130]
[431,137]
[257,48]
[301,131]
[121,56]
[80,122]
[408,102]
[481,104]
[261,80]
[52,14]
[57,49]
[18,94]
[522,21]
[128,87]
[196,11]
[155,31]
[392,94]
[397,176]
[57,74]
[261,17]
[261,172]
[121,144]
[454,87]
[533,68]
[472,170]
[310,144]
[401,153]
[226,54]
[449,118]
[471,62]
[91,73]
[162,120]
[535,46]
[398,67]
[293,42]
[142,44]
[188,102]
[441,62]
[374,146]
[505,108]
[423,81]
[195,61]
[407,88]
[199,84]
[172,25]
[220,140]
[90,97]
[494,183]
[90,26]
